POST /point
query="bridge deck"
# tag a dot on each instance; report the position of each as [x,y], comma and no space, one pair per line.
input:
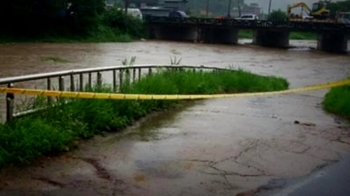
[296,25]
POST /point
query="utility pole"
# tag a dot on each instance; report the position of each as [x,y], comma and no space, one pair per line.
[126,5]
[194,8]
[207,10]
[269,8]
[229,9]
[239,8]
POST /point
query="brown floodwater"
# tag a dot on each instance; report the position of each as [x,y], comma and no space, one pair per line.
[211,147]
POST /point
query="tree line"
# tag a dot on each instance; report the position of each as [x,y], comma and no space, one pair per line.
[35,18]
[340,6]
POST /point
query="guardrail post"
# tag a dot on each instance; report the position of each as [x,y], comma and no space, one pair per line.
[99,78]
[127,76]
[9,104]
[61,83]
[150,71]
[49,99]
[114,80]
[120,79]
[81,82]
[133,75]
[216,71]
[72,86]
[139,74]
[90,81]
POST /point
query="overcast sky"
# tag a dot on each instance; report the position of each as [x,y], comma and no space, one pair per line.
[278,4]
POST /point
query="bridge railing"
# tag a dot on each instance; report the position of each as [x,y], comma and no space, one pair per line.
[250,24]
[76,80]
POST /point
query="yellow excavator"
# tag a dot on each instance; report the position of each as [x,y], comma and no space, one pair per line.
[318,11]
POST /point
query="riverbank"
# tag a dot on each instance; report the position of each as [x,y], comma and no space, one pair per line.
[102,34]
[55,130]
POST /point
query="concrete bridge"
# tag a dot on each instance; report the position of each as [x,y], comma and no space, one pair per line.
[332,37]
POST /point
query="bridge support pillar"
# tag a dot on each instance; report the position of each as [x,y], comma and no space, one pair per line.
[176,33]
[218,35]
[332,42]
[271,38]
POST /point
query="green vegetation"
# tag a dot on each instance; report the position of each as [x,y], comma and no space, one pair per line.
[336,6]
[245,34]
[248,34]
[58,128]
[337,101]
[277,15]
[66,21]
[303,35]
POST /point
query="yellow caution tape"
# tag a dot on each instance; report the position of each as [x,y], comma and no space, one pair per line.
[120,96]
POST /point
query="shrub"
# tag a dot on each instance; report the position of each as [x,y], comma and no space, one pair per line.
[119,21]
[337,101]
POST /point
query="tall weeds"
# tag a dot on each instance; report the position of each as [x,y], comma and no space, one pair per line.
[54,130]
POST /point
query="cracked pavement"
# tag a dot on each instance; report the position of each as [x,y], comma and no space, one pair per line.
[236,146]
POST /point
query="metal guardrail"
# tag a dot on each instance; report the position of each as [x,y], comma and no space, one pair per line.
[119,73]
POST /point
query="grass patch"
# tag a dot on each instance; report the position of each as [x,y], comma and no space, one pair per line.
[303,35]
[337,101]
[55,130]
[248,34]
[245,34]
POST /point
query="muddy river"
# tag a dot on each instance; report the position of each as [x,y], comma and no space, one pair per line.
[214,147]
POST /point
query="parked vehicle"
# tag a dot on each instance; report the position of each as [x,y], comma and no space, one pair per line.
[162,12]
[135,13]
[177,14]
[155,11]
[248,17]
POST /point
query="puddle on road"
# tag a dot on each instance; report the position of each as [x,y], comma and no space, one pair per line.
[147,128]
[160,168]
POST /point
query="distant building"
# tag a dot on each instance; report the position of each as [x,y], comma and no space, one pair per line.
[141,3]
[174,4]
[253,8]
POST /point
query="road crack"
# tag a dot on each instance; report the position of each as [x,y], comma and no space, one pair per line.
[231,173]
[49,181]
[100,170]
[201,161]
[253,146]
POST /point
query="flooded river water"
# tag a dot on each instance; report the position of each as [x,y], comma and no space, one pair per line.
[213,147]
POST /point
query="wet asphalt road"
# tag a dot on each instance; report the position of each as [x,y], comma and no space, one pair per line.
[334,181]
[236,146]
